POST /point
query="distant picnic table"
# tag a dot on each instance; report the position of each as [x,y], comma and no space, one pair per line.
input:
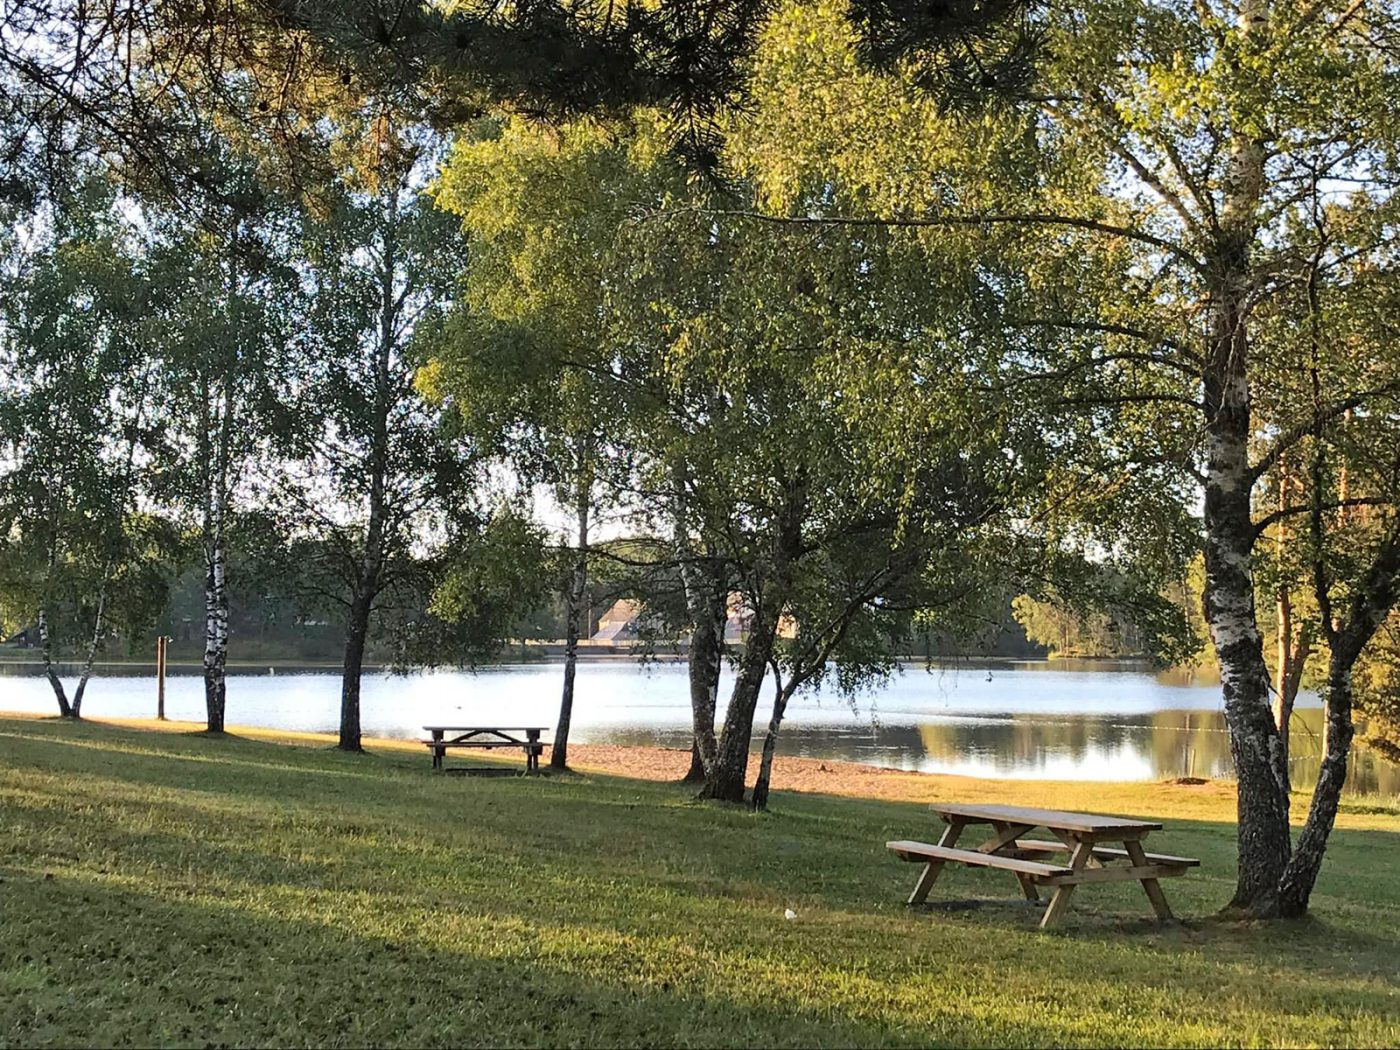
[1086,837]
[445,738]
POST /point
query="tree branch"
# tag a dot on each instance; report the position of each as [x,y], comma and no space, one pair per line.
[989,219]
[1291,437]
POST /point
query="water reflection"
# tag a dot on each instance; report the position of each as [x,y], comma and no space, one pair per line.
[1158,746]
[1061,720]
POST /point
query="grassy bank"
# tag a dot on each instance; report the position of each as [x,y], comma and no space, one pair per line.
[160,887]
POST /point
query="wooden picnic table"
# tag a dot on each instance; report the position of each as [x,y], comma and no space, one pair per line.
[487,737]
[1088,839]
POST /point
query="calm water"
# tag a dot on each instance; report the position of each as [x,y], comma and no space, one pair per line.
[1043,720]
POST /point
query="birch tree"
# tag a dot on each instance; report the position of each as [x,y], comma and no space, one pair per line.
[226,292]
[529,366]
[384,478]
[1169,161]
[80,552]
[840,456]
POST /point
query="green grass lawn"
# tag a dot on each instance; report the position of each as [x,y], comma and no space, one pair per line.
[164,888]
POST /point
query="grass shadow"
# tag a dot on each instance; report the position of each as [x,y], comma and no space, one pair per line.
[627,885]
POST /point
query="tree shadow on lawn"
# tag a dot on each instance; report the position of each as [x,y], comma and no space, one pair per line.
[85,962]
[816,852]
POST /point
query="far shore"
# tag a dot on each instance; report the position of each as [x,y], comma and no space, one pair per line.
[531,655]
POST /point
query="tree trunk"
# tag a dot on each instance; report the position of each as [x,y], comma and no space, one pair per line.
[1283,702]
[368,576]
[770,745]
[1230,614]
[696,773]
[215,601]
[1295,645]
[1295,887]
[578,587]
[706,596]
[724,780]
[55,683]
[1262,775]
[1294,641]
[352,669]
[1371,603]
[365,590]
[99,623]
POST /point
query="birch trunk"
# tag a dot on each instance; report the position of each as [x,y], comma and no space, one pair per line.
[1260,768]
[1372,602]
[705,661]
[724,780]
[1296,883]
[706,598]
[770,745]
[65,709]
[99,624]
[215,574]
[578,588]
[215,621]
[1294,644]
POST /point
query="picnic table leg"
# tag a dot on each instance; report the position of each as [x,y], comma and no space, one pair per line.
[1059,900]
[934,868]
[437,748]
[1007,834]
[1152,887]
[532,753]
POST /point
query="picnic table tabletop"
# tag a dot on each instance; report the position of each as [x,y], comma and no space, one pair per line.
[489,729]
[1051,819]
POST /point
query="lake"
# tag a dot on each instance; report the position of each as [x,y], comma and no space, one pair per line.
[1073,720]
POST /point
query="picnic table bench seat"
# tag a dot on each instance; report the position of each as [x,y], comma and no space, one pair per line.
[1104,853]
[907,849]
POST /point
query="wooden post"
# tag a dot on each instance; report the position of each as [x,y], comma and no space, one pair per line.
[160,677]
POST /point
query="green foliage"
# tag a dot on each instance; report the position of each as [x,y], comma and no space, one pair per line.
[486,582]
[1093,609]
[1377,684]
[527,360]
[78,411]
[1065,632]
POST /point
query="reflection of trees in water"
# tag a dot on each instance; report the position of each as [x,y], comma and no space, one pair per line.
[1368,772]
[1171,743]
[1023,743]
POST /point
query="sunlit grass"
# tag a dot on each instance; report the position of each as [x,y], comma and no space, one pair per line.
[161,887]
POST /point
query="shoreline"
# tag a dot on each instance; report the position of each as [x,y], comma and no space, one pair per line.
[795,773]
[544,658]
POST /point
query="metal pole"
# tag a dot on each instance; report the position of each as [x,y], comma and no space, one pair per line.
[160,677]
